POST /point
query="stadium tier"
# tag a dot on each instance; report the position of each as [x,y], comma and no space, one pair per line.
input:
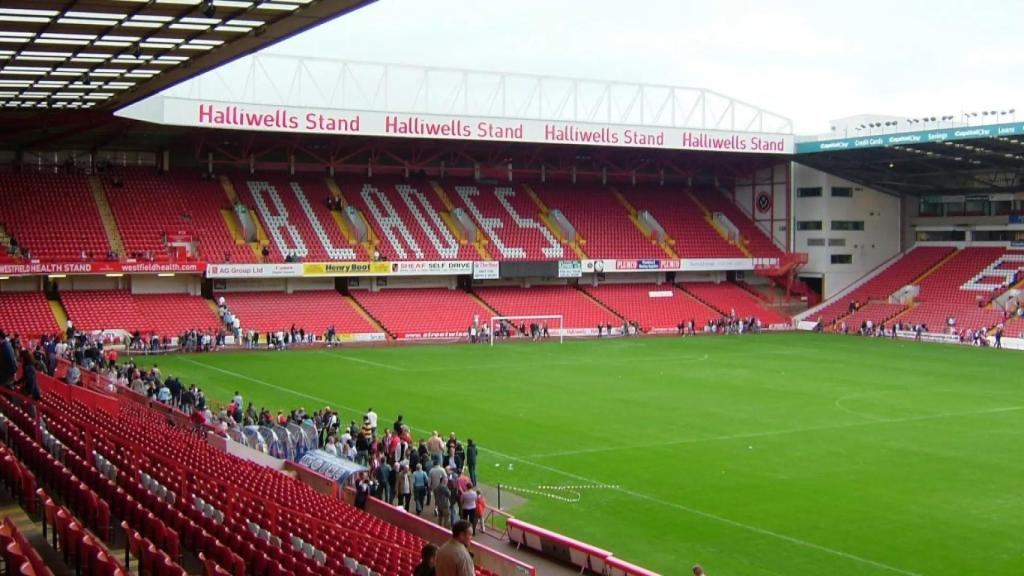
[900,273]
[160,314]
[657,308]
[27,314]
[962,289]
[684,221]
[410,219]
[313,311]
[407,218]
[578,309]
[71,225]
[418,312]
[731,300]
[602,222]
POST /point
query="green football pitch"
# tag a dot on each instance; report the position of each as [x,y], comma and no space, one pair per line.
[753,455]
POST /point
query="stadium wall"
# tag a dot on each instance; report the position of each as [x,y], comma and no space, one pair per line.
[879,240]
[186,284]
[771,217]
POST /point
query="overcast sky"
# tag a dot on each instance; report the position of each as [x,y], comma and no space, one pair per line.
[809,60]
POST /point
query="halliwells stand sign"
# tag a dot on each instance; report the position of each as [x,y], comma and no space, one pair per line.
[178,111]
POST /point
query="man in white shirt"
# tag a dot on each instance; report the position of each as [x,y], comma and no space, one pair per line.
[372,417]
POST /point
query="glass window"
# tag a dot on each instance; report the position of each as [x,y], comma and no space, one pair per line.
[849,225]
[812,192]
[842,258]
[842,192]
[808,225]
[815,241]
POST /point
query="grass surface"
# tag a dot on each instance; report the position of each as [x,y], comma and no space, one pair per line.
[791,454]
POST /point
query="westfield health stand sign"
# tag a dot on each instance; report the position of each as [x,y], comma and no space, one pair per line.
[200,113]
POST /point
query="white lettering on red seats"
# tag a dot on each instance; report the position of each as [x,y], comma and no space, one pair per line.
[995,270]
[554,249]
[390,222]
[278,220]
[447,246]
[488,224]
[334,252]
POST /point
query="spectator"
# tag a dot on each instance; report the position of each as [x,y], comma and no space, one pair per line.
[29,384]
[362,491]
[8,361]
[73,376]
[420,483]
[331,447]
[428,556]
[471,460]
[467,502]
[453,558]
[481,509]
[403,487]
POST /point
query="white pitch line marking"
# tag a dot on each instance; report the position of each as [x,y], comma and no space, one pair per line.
[649,498]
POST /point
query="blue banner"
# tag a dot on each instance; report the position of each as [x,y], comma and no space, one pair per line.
[910,138]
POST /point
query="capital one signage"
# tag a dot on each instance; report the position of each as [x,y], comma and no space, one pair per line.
[226,115]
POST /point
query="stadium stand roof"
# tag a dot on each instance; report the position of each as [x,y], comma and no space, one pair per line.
[104,54]
[947,158]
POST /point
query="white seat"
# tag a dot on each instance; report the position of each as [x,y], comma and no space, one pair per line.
[307,550]
[253,527]
[350,563]
[297,543]
[363,570]
[320,557]
[274,540]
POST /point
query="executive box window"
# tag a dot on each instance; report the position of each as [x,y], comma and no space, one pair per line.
[815,241]
[848,225]
[941,235]
[842,192]
[814,192]
[842,258]
[837,241]
[808,225]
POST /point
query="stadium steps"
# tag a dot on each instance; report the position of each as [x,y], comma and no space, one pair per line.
[261,235]
[910,308]
[480,243]
[59,313]
[33,532]
[346,231]
[682,286]
[631,210]
[545,217]
[229,189]
[600,304]
[365,314]
[483,303]
[935,268]
[106,215]
[709,218]
[232,224]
